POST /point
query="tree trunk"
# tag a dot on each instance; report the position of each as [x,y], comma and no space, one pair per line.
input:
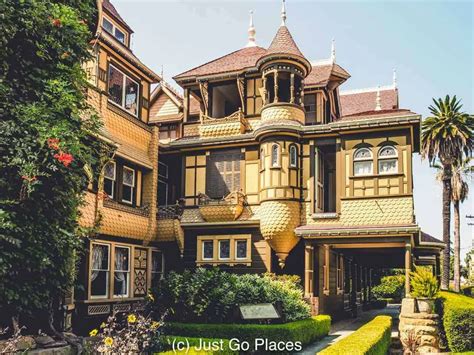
[446,213]
[457,248]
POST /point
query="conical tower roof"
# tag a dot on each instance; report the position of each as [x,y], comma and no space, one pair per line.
[284,43]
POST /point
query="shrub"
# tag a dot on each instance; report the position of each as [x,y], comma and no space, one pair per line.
[305,331]
[458,321]
[211,296]
[423,283]
[391,287]
[372,338]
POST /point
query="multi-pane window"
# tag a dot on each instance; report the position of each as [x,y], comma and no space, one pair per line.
[157,263]
[113,30]
[293,156]
[128,184]
[223,173]
[122,272]
[109,179]
[162,184]
[310,108]
[388,160]
[275,155]
[253,97]
[100,271]
[363,164]
[169,131]
[123,90]
[224,249]
[207,249]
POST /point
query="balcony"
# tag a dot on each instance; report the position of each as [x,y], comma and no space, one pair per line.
[231,125]
[227,209]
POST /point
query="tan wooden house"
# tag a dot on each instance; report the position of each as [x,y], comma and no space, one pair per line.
[271,167]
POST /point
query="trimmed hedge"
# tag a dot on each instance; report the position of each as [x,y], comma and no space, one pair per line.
[458,321]
[372,338]
[193,343]
[305,331]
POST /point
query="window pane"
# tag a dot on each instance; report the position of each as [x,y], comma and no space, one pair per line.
[120,35]
[293,156]
[156,261]
[387,166]
[128,177]
[99,282]
[362,167]
[99,270]
[387,152]
[207,249]
[241,249]
[121,274]
[107,25]
[109,171]
[224,249]
[122,259]
[109,187]
[362,153]
[131,96]
[100,257]
[275,155]
[115,85]
[127,193]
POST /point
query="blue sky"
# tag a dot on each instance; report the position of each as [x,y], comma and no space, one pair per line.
[430,43]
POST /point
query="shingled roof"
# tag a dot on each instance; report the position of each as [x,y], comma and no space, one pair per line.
[283,43]
[359,101]
[107,5]
[241,59]
[321,73]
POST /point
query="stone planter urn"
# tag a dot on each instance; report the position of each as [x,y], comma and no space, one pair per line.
[425,305]
[419,329]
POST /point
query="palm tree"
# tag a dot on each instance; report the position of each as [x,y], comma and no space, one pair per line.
[460,190]
[447,137]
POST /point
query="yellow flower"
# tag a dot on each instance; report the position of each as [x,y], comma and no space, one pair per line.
[103,325]
[131,318]
[108,341]
[93,332]
[155,325]
[150,296]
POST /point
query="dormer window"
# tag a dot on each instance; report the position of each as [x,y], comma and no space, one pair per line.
[113,30]
[123,90]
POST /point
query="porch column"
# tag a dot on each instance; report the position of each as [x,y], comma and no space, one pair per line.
[308,270]
[407,268]
[275,86]
[370,284]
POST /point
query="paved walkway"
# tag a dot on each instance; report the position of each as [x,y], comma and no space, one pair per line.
[345,327]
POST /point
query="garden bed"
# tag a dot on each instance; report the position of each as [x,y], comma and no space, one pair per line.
[372,338]
[304,331]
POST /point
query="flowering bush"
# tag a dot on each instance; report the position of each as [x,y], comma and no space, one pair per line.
[131,334]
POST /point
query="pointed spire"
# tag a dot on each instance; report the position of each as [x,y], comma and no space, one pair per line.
[378,101]
[251,31]
[394,79]
[333,51]
[283,13]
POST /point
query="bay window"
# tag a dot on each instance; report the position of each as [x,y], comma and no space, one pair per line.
[388,160]
[363,164]
[122,272]
[123,90]
[100,270]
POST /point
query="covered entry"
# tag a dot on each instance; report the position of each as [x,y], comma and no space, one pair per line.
[340,262]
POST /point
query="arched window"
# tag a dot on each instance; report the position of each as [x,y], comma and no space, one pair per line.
[275,155]
[363,164]
[293,156]
[388,160]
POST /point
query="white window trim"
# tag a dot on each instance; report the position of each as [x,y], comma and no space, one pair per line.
[125,76]
[385,158]
[202,248]
[132,186]
[114,179]
[107,286]
[370,159]
[114,28]
[247,257]
[129,272]
[219,249]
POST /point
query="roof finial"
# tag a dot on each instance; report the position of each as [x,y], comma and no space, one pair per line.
[333,51]
[378,101]
[394,79]
[251,31]
[283,13]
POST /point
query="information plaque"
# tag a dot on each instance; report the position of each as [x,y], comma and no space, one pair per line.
[259,311]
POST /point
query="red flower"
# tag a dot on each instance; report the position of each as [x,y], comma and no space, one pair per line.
[29,179]
[56,22]
[53,143]
[64,158]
